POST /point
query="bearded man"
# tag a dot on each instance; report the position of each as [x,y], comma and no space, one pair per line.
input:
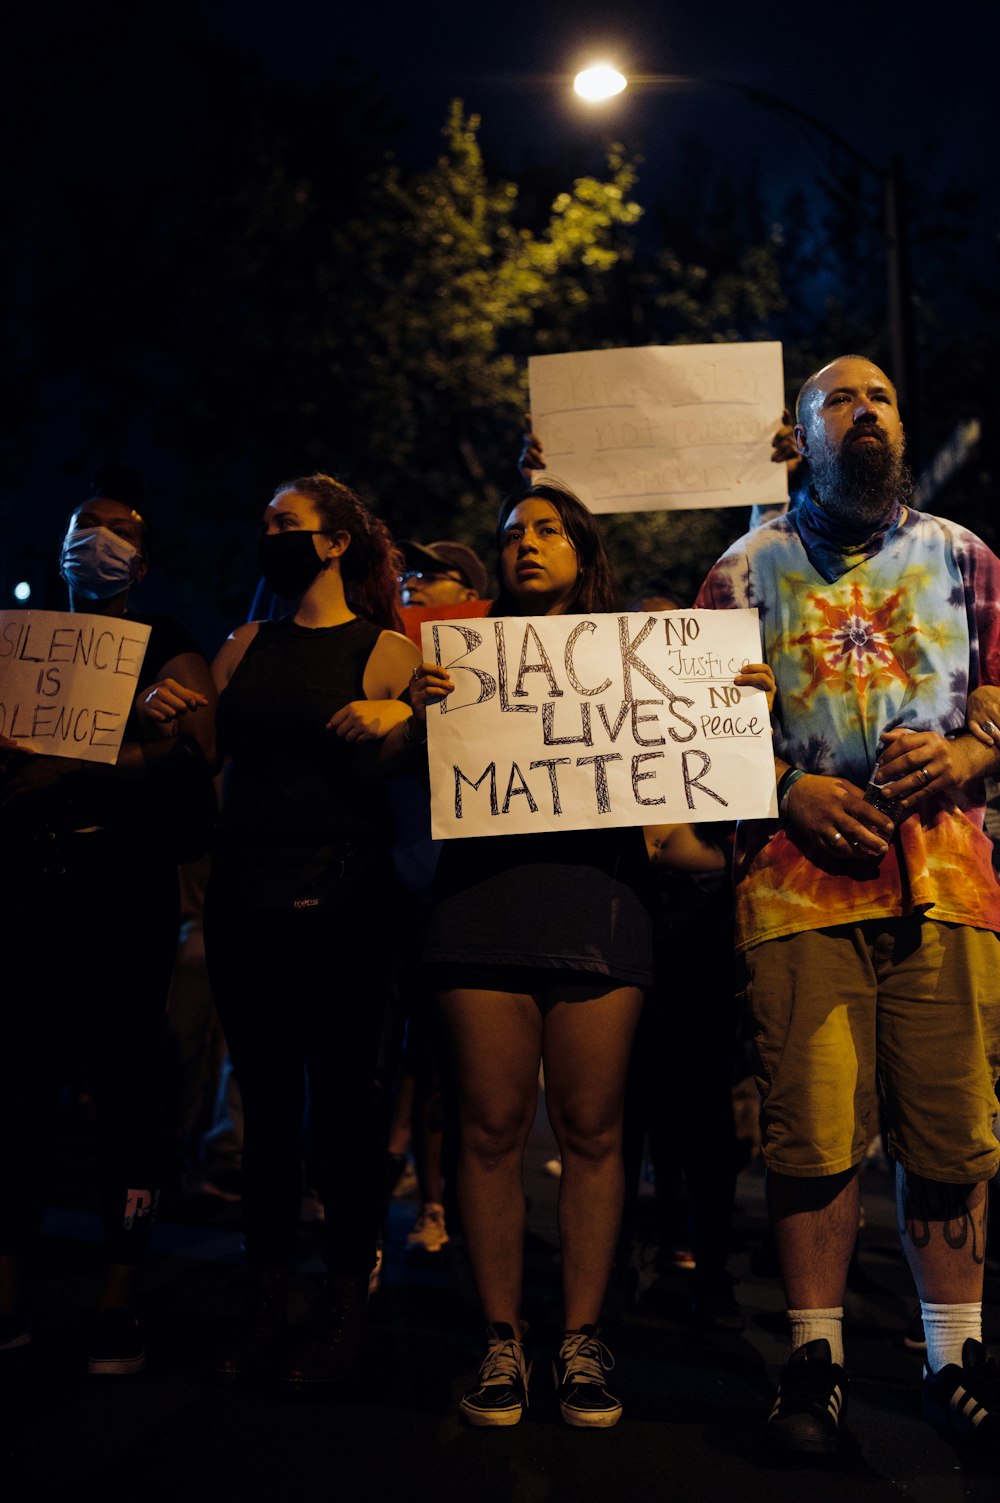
[868,915]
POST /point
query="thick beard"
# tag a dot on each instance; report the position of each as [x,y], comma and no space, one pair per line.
[861,482]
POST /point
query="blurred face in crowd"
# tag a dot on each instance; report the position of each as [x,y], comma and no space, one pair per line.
[656,603]
[539,562]
[444,587]
[850,431]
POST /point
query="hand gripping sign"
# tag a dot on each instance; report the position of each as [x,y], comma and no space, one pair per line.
[570,722]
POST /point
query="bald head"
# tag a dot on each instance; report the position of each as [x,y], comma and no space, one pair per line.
[847,426]
[814,383]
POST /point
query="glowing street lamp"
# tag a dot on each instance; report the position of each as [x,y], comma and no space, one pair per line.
[598,82]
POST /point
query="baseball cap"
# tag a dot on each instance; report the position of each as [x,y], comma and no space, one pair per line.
[446,554]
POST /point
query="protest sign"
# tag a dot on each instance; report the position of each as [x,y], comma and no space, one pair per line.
[67,681]
[570,722]
[660,427]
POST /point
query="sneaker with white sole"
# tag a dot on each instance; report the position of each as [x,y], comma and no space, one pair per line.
[965,1401]
[810,1403]
[500,1395]
[914,1338]
[429,1232]
[583,1398]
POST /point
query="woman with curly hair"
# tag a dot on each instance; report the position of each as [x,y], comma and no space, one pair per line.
[309,713]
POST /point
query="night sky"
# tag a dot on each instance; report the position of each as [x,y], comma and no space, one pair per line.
[94,97]
[889,79]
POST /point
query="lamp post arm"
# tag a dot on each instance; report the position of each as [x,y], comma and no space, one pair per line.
[892,227]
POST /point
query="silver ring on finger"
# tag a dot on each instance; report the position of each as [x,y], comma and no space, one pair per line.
[989,727]
[835,837]
[923,775]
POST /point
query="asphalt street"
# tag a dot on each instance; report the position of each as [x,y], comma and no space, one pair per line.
[694,1404]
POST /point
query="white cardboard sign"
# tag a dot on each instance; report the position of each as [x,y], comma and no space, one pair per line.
[67,681]
[571,722]
[662,427]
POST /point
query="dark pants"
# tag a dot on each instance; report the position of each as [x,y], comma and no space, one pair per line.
[88,941]
[681,1076]
[301,997]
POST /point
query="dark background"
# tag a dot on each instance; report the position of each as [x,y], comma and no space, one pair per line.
[230,257]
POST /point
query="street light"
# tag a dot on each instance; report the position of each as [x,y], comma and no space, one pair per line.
[588,85]
[598,82]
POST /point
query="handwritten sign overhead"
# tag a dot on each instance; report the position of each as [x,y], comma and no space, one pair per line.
[569,722]
[662,427]
[67,681]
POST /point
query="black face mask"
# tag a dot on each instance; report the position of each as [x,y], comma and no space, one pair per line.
[289,562]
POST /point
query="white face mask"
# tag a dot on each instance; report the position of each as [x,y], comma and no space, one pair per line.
[97,563]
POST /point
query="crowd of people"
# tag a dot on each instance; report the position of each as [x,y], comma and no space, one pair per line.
[866,921]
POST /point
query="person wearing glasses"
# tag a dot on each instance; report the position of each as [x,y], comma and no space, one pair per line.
[444,573]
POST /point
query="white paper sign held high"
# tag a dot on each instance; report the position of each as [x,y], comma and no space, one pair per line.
[662,427]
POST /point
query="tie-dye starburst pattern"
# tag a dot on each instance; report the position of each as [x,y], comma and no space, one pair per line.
[899,639]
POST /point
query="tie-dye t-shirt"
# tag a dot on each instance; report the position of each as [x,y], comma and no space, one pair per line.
[900,639]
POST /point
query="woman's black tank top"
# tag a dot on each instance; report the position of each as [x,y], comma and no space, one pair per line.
[293,783]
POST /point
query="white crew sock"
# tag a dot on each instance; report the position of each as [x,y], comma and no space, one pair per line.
[947,1327]
[812,1325]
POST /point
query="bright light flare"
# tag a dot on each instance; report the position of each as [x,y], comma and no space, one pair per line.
[599,82]
[22,590]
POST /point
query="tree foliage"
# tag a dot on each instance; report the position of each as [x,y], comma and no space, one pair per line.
[231,279]
[434,300]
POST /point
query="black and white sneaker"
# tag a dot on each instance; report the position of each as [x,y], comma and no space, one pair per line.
[810,1403]
[500,1395]
[583,1399]
[914,1338]
[117,1348]
[965,1401]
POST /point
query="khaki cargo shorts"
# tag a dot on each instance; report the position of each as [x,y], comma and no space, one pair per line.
[907,1009]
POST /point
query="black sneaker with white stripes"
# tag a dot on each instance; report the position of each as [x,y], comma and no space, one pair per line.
[581,1388]
[500,1394]
[810,1403]
[965,1401]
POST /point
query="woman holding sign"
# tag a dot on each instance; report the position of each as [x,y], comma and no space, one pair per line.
[299,910]
[540,948]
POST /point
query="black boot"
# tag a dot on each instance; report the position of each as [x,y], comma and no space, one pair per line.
[327,1347]
[252,1349]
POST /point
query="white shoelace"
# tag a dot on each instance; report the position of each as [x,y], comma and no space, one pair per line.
[503,1363]
[586,1359]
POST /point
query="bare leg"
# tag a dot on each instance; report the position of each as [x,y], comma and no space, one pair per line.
[943,1232]
[587,1042]
[497,1042]
[815,1225]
